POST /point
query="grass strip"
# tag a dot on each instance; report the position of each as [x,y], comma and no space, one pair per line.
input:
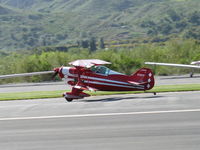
[56,94]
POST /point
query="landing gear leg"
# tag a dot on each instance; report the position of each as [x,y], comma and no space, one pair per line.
[69,99]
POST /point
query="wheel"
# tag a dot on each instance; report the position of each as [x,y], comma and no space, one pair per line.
[154,93]
[69,99]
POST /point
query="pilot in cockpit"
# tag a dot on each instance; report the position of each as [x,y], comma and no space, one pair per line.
[100,70]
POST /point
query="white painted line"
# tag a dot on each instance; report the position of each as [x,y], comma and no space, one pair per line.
[101,115]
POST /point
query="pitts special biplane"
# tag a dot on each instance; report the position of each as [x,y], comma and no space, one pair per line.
[90,75]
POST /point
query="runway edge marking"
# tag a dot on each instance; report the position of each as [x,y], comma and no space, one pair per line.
[101,114]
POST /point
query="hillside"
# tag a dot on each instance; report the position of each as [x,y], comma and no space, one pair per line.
[57,22]
[4,10]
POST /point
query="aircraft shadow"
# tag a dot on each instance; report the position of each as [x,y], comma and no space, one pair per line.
[119,99]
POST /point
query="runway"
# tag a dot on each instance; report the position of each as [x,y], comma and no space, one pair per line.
[135,121]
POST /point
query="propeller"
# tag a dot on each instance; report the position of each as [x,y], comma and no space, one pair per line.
[56,71]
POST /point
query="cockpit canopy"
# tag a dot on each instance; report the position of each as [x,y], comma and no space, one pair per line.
[103,70]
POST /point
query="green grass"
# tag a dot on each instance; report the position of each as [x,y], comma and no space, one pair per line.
[56,94]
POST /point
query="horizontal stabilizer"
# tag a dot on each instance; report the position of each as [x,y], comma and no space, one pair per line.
[137,83]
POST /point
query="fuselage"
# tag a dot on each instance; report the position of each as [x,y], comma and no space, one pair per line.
[99,78]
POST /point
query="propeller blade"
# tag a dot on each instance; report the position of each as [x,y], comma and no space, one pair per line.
[56,71]
[54,75]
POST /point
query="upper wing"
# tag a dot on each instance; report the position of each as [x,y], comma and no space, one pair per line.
[25,74]
[88,62]
[173,65]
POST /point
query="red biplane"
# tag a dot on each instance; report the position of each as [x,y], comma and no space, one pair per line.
[91,75]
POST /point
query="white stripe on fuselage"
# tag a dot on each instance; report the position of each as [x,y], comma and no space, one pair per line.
[116,85]
[112,81]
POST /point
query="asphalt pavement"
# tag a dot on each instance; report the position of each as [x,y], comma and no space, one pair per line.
[134,121]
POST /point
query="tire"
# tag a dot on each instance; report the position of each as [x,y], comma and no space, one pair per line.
[69,99]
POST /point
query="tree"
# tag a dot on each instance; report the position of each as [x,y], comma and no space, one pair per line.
[93,44]
[174,15]
[195,18]
[193,33]
[166,28]
[101,43]
[84,43]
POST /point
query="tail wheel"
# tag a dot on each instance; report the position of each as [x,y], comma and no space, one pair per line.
[69,99]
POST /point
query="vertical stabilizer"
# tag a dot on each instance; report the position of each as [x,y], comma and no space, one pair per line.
[143,77]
